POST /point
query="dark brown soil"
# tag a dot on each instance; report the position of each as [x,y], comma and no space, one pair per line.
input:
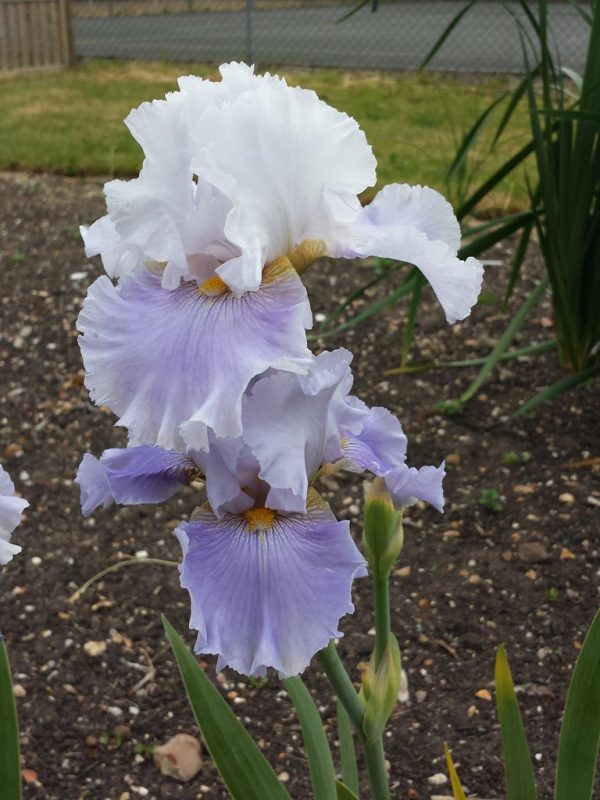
[462,588]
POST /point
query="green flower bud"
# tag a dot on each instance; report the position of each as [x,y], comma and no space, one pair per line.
[383,536]
[380,688]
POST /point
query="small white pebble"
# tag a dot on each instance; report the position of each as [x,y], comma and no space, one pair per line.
[36,561]
[115,711]
[439,779]
[141,554]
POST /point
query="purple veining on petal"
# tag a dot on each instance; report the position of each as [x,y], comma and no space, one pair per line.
[268,598]
[165,359]
[131,476]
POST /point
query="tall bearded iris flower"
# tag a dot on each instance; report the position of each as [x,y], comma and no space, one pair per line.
[268,568]
[245,183]
[11,510]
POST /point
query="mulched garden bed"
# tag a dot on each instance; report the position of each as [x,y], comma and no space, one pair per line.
[526,574]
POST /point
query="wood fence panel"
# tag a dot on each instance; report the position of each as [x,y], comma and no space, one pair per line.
[35,34]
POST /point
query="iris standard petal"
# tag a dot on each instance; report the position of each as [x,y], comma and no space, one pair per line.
[11,510]
[119,256]
[378,447]
[161,358]
[268,590]
[134,475]
[232,482]
[167,214]
[292,167]
[416,225]
[290,423]
[408,484]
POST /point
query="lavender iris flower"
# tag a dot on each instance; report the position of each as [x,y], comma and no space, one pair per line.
[245,183]
[11,510]
[268,568]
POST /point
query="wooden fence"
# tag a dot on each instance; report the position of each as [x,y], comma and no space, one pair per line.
[35,34]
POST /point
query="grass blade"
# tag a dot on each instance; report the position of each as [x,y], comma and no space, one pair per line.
[353,11]
[446,33]
[520,782]
[343,792]
[351,298]
[406,287]
[534,349]
[561,386]
[518,258]
[411,320]
[10,765]
[530,350]
[504,341]
[471,136]
[347,749]
[488,239]
[322,773]
[580,731]
[243,767]
[457,790]
[494,179]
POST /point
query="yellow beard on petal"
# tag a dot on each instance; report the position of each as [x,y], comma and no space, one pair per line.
[213,287]
[304,254]
[259,519]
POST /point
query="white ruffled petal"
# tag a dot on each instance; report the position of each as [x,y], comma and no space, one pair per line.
[416,225]
[119,257]
[11,510]
[291,166]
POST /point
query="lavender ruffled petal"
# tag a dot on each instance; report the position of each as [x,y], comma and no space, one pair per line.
[268,598]
[291,421]
[161,358]
[131,476]
[408,484]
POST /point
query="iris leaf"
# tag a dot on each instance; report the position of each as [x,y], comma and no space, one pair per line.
[520,783]
[322,773]
[457,790]
[10,768]
[347,749]
[343,792]
[580,731]
[243,767]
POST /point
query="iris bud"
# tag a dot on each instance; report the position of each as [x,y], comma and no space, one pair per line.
[383,536]
[380,689]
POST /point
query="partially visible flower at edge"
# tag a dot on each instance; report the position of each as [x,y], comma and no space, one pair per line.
[11,510]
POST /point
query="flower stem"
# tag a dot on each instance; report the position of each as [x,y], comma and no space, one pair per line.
[340,680]
[381,601]
[348,697]
[378,777]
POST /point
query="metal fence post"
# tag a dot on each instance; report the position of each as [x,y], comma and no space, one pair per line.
[249,53]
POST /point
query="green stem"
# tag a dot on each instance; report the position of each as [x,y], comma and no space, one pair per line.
[348,697]
[340,680]
[378,777]
[381,600]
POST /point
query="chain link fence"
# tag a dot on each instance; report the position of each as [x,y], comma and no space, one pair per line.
[314,33]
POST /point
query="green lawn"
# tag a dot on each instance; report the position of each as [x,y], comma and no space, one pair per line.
[71,121]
